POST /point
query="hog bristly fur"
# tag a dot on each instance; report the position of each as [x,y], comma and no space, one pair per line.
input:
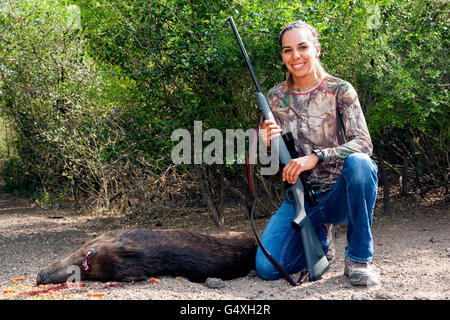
[140,253]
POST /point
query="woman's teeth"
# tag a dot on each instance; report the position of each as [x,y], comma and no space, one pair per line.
[298,66]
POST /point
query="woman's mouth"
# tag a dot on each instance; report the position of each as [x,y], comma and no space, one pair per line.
[298,66]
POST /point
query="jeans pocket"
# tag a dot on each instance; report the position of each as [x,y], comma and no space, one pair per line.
[322,212]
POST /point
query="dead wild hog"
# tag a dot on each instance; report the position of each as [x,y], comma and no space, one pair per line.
[139,254]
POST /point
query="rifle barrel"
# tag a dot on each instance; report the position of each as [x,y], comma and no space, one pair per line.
[244,52]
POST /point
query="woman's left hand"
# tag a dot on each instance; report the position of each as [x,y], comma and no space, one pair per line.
[296,166]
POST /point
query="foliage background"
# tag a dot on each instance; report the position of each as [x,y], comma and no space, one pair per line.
[91,91]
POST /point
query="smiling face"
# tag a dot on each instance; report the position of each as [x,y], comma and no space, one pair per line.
[300,57]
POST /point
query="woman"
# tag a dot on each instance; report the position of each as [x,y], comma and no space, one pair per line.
[325,118]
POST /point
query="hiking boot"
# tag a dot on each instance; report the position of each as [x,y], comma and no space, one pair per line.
[331,254]
[361,274]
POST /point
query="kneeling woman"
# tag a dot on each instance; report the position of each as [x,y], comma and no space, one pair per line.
[324,116]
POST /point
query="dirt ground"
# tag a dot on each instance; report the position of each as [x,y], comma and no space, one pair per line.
[412,255]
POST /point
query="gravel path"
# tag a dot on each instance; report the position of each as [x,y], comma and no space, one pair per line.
[412,254]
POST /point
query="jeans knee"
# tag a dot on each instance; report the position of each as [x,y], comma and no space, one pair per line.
[264,268]
[363,169]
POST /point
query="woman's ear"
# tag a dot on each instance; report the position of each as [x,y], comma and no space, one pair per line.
[318,48]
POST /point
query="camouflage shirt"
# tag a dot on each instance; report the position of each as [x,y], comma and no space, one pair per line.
[310,115]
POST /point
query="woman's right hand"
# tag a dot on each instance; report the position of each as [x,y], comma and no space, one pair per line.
[268,131]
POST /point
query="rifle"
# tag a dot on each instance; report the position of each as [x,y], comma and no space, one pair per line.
[317,263]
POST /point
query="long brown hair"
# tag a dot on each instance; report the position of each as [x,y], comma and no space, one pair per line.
[299,24]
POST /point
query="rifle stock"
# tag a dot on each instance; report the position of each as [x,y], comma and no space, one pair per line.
[316,260]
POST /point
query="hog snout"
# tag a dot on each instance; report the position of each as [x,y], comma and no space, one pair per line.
[58,275]
[42,277]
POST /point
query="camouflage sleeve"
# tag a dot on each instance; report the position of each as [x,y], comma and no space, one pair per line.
[356,131]
[271,97]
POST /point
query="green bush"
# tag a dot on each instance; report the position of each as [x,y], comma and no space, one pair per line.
[93,98]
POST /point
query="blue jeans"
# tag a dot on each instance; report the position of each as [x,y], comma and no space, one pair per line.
[350,201]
